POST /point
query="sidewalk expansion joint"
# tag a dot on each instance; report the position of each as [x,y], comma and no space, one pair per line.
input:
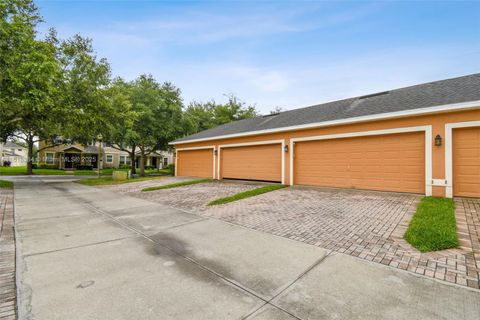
[76,247]
[285,288]
[266,301]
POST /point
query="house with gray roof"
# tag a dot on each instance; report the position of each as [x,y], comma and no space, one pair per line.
[421,139]
[72,156]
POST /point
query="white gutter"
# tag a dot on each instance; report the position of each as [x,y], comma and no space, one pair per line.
[398,114]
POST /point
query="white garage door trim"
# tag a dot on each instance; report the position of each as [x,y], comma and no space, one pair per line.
[428,147]
[196,148]
[449,151]
[257,143]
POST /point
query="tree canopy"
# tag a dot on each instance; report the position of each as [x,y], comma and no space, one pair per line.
[200,116]
[30,76]
[155,114]
[58,90]
[48,88]
[84,90]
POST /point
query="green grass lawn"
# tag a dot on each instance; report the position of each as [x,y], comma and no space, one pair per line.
[433,225]
[176,185]
[108,180]
[6,184]
[14,171]
[247,194]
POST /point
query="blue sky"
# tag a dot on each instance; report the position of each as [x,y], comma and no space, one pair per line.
[286,54]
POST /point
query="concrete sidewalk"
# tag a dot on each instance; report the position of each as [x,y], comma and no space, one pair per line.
[85,253]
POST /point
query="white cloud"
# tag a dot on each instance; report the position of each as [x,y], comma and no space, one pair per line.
[210,26]
[210,52]
[309,82]
[260,78]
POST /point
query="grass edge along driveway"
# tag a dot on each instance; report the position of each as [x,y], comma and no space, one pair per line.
[6,184]
[433,226]
[176,185]
[247,194]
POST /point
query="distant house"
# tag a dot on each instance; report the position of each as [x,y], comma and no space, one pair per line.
[71,156]
[13,153]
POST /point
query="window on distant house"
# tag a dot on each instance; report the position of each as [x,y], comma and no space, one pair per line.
[49,157]
[109,158]
[165,162]
[125,160]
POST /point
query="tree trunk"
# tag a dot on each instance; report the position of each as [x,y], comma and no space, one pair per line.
[132,159]
[142,163]
[30,155]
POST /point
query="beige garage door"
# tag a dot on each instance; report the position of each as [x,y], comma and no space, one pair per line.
[466,162]
[262,162]
[195,163]
[387,162]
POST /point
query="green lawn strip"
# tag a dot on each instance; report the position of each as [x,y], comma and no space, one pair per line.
[6,184]
[247,194]
[4,171]
[433,225]
[15,171]
[109,181]
[87,172]
[176,185]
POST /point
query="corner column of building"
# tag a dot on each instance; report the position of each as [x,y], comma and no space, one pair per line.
[216,157]
[286,158]
[438,161]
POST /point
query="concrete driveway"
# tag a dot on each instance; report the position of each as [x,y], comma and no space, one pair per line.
[85,253]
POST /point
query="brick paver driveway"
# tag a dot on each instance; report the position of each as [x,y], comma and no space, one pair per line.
[7,257]
[366,224]
[138,186]
[194,198]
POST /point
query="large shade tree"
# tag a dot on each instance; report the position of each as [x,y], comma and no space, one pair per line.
[30,77]
[85,85]
[154,117]
[123,136]
[49,89]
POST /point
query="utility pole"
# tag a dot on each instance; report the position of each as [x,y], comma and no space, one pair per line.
[99,139]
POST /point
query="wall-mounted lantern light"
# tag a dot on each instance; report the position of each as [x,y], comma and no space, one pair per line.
[215,152]
[285,148]
[438,140]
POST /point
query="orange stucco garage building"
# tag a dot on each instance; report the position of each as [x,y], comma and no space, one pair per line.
[422,139]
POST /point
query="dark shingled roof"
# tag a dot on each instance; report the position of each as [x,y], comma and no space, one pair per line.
[455,90]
